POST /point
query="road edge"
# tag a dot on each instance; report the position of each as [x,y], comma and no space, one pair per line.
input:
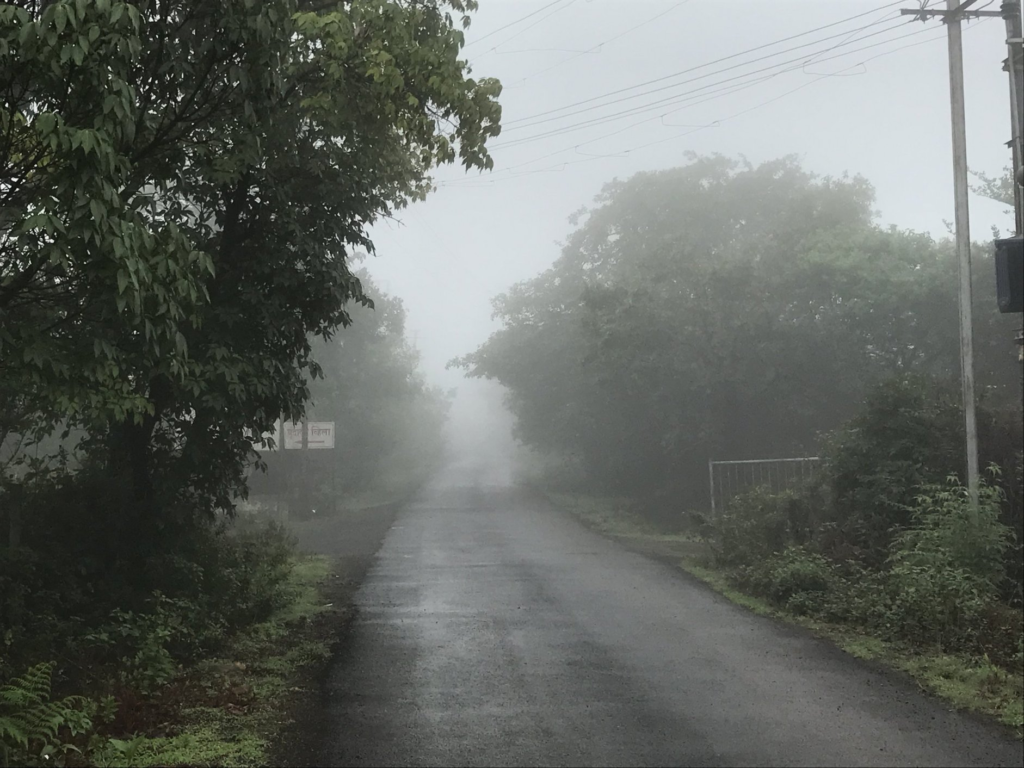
[878,655]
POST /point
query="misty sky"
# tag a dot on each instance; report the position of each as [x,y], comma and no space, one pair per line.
[885,118]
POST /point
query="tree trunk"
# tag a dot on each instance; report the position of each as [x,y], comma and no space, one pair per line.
[130,469]
[14,529]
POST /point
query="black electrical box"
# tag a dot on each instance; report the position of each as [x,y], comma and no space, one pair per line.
[1010,274]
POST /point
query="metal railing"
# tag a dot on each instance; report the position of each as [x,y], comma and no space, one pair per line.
[731,478]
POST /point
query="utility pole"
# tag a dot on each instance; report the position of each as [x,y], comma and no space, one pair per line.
[955,11]
[1012,12]
[1014,66]
[963,240]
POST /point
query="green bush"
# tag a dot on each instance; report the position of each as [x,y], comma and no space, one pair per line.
[250,581]
[938,604]
[946,567]
[145,646]
[797,579]
[42,603]
[759,524]
[938,582]
[234,575]
[945,531]
[910,434]
[859,596]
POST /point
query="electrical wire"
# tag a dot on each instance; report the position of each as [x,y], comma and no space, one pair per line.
[708,97]
[512,23]
[890,15]
[561,166]
[716,72]
[681,97]
[708,64]
[522,31]
[597,48]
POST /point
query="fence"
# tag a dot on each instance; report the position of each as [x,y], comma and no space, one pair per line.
[730,478]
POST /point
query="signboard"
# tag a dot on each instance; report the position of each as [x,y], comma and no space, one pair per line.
[321,435]
[293,435]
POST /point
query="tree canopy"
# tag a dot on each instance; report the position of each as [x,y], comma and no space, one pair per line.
[726,310]
[182,184]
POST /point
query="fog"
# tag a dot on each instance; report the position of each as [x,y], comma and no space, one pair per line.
[451,472]
[479,438]
[887,119]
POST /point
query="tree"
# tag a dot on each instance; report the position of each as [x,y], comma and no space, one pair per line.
[998,188]
[388,421]
[188,180]
[719,309]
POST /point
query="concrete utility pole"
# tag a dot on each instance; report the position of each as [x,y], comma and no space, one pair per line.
[955,11]
[963,238]
[1011,11]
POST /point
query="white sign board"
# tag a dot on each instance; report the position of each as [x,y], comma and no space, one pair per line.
[321,434]
[293,435]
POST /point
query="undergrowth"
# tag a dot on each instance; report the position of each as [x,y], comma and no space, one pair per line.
[196,678]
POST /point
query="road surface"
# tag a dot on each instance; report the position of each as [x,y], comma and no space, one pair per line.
[492,630]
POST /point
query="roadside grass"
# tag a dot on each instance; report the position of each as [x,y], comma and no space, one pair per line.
[965,682]
[232,707]
[610,515]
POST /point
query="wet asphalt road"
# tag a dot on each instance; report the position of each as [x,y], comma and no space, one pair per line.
[491,630]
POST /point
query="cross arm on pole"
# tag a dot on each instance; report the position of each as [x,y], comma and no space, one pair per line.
[946,14]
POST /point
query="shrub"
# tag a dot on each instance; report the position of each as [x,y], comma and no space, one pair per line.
[758,524]
[145,646]
[945,531]
[214,581]
[42,601]
[797,579]
[946,568]
[230,575]
[937,604]
[859,596]
[251,579]
[909,435]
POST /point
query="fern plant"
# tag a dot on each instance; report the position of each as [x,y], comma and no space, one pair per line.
[31,724]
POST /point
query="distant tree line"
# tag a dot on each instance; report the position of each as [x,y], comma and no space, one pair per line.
[734,311]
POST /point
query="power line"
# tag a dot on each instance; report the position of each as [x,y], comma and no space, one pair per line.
[599,46]
[522,31]
[716,72]
[694,129]
[708,64]
[703,98]
[512,23]
[680,97]
[561,167]
[890,15]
